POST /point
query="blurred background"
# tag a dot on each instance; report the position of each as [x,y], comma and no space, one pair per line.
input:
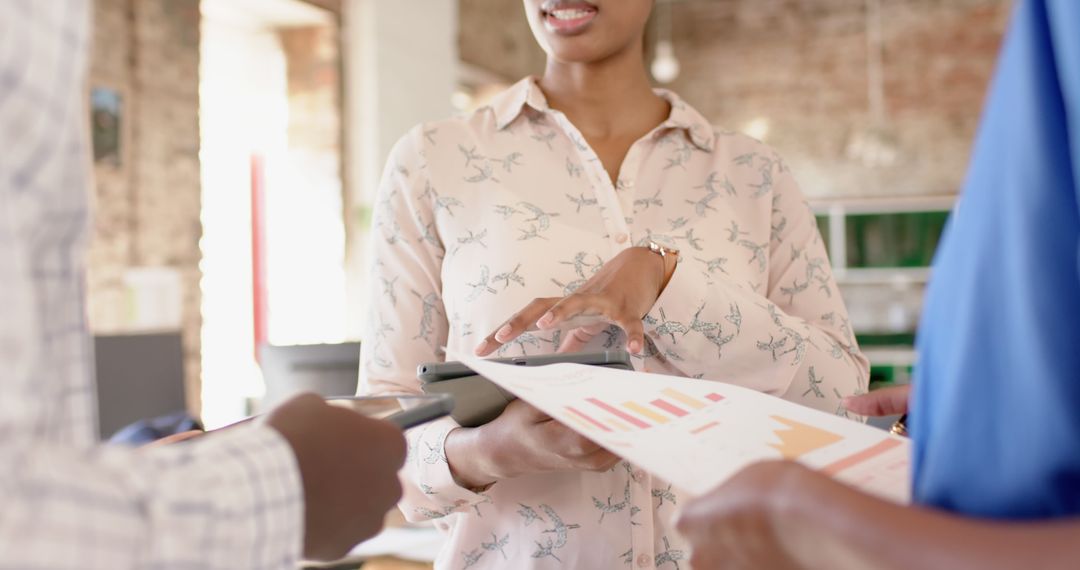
[238,144]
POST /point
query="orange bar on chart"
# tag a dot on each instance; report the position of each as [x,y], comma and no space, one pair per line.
[639,409]
[705,427]
[683,398]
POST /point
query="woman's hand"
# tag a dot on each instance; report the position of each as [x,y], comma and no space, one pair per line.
[522,440]
[889,401]
[621,293]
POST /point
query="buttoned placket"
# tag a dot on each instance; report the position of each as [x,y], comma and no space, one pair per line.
[612,211]
[614,202]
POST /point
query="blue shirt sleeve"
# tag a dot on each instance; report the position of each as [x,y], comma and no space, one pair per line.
[996,411]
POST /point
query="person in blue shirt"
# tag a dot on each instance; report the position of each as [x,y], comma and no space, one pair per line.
[995,414]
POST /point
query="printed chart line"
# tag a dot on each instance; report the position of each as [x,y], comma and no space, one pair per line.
[582,416]
[705,427]
[618,413]
[861,456]
[669,408]
[629,415]
[683,398]
[646,412]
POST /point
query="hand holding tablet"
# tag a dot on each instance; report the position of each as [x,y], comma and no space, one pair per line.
[477,401]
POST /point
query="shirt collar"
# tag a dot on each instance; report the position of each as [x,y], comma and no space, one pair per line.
[511,103]
[686,118]
[526,94]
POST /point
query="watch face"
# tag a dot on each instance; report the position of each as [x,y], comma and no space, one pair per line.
[662,250]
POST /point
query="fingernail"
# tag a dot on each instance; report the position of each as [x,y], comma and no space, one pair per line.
[545,320]
[503,333]
[635,346]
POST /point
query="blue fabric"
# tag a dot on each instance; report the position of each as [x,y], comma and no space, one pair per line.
[996,411]
[153,429]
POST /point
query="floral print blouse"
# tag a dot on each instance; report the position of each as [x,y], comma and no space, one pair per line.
[478,215]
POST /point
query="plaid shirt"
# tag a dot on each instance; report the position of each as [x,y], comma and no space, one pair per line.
[230,501]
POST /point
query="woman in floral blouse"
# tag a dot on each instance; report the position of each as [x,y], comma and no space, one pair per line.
[550,205]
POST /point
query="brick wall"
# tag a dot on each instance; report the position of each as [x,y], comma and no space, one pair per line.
[147,206]
[494,35]
[801,65]
[314,76]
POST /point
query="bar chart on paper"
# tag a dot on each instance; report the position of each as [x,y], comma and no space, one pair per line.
[630,415]
[697,433]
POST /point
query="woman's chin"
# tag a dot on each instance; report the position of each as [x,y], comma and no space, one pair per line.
[577,51]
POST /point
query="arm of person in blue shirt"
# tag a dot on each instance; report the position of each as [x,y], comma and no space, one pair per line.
[781,515]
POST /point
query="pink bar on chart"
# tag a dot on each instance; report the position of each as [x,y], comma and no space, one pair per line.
[619,413]
[857,458]
[669,408]
[587,418]
[714,397]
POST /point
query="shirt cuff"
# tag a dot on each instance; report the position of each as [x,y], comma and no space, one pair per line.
[243,501]
[434,493]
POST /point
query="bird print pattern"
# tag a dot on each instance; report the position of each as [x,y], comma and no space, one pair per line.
[479,215]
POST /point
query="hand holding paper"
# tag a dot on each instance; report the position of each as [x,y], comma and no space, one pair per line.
[698,433]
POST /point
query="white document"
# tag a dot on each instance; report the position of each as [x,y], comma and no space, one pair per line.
[698,433]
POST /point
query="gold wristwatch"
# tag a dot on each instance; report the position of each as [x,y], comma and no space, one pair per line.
[899,427]
[662,251]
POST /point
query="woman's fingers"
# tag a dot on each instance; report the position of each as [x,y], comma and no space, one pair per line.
[583,307]
[577,338]
[569,308]
[635,333]
[630,324]
[522,321]
[586,316]
[881,402]
[578,307]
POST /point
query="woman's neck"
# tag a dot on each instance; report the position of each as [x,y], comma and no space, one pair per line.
[605,99]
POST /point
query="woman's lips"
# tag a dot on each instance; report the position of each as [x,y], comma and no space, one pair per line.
[569,19]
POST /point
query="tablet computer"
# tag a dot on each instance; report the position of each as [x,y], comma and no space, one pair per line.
[404,410]
[477,400]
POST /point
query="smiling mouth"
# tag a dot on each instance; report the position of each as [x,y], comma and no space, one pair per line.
[568,18]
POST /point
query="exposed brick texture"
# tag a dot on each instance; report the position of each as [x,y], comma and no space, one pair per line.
[147,208]
[802,65]
[494,35]
[314,76]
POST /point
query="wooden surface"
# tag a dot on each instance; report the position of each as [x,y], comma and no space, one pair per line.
[393,564]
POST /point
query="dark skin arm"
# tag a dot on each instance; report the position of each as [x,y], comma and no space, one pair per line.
[782,515]
[348,467]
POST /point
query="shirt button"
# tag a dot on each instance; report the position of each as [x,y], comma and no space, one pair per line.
[621,237]
[639,475]
[643,561]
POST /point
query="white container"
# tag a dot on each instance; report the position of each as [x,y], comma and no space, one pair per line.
[155,299]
